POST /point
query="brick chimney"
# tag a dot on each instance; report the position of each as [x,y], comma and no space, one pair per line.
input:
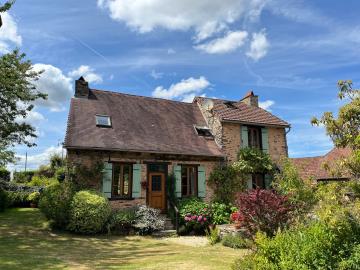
[81,88]
[251,99]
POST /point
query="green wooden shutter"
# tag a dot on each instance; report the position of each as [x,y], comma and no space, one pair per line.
[265,140]
[107,179]
[268,180]
[201,182]
[177,174]
[244,137]
[136,186]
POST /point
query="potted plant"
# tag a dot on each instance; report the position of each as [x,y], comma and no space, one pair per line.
[34,199]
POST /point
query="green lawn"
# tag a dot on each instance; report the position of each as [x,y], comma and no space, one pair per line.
[26,242]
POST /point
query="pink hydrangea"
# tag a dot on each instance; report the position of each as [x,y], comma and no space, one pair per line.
[199,218]
[205,219]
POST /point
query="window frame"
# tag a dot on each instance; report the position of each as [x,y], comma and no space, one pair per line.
[204,132]
[187,167]
[254,181]
[109,125]
[122,196]
[251,130]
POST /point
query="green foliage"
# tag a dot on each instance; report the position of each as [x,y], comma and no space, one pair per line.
[34,197]
[299,191]
[17,93]
[194,214]
[236,241]
[213,235]
[121,221]
[60,174]
[82,176]
[148,220]
[23,177]
[89,212]
[4,200]
[4,174]
[42,181]
[55,203]
[353,262]
[56,162]
[220,213]
[253,160]
[8,4]
[18,198]
[225,182]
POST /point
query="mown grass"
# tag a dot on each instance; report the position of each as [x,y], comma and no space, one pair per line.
[26,242]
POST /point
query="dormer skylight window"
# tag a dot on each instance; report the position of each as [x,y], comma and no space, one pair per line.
[103,120]
[204,132]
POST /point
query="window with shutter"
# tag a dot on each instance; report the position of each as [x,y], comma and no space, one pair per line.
[201,182]
[136,186]
[106,179]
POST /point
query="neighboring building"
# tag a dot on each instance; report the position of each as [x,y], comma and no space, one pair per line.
[143,140]
[319,168]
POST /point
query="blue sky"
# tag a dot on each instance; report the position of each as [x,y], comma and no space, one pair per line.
[290,53]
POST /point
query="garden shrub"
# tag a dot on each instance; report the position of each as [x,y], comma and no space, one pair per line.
[60,174]
[313,246]
[148,220]
[18,198]
[34,197]
[236,241]
[89,212]
[42,181]
[220,213]
[226,183]
[213,235]
[4,200]
[23,177]
[194,214]
[55,203]
[299,191]
[262,210]
[4,174]
[121,221]
[353,262]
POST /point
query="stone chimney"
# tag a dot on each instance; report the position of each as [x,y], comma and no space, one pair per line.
[251,99]
[81,88]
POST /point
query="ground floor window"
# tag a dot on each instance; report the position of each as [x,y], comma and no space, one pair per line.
[122,180]
[188,180]
[258,181]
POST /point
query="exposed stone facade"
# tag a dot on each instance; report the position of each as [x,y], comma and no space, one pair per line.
[277,144]
[231,140]
[90,157]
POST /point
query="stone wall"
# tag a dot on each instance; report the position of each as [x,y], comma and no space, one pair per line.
[89,159]
[231,140]
[277,144]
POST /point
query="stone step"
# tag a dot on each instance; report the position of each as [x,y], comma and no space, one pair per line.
[165,233]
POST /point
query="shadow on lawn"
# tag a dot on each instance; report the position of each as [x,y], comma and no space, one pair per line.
[26,242]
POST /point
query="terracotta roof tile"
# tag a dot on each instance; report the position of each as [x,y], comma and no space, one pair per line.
[313,167]
[241,112]
[139,124]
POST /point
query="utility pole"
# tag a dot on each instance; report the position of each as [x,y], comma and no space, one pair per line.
[25,160]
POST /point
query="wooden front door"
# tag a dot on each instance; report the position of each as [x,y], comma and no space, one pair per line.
[157,190]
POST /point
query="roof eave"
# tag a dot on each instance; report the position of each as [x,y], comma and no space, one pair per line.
[254,123]
[140,151]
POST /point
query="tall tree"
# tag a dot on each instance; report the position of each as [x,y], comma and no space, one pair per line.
[17,93]
[6,7]
[344,130]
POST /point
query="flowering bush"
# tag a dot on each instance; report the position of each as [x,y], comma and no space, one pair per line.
[195,214]
[221,213]
[262,210]
[148,220]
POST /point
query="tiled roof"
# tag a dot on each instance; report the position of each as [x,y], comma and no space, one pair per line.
[241,112]
[313,167]
[139,124]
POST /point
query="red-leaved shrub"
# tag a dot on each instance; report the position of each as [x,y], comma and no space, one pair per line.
[262,210]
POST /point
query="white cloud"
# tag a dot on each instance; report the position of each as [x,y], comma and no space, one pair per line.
[203,16]
[87,72]
[56,85]
[259,46]
[34,161]
[184,90]
[8,33]
[32,118]
[156,75]
[229,43]
[266,105]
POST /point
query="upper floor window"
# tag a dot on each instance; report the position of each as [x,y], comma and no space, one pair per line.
[203,131]
[254,136]
[103,120]
[258,181]
[188,180]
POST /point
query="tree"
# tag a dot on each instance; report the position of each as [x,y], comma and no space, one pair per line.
[344,130]
[17,93]
[5,8]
